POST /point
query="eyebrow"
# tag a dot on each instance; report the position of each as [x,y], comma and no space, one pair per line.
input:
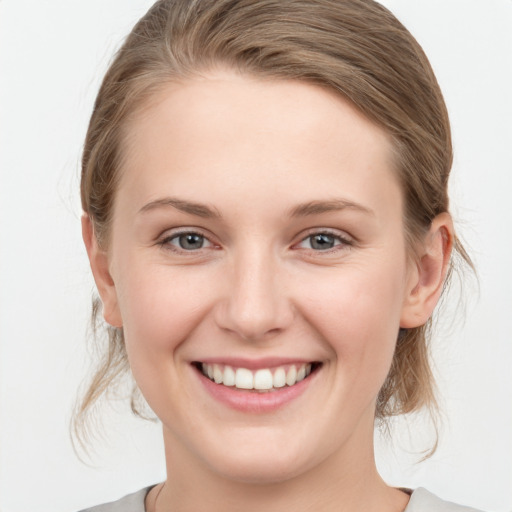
[332,205]
[198,209]
[301,210]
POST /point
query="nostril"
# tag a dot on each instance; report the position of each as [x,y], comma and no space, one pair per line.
[254,306]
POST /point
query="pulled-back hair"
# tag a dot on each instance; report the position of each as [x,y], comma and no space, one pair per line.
[356,48]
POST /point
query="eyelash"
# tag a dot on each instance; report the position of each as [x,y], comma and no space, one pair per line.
[340,242]
[166,242]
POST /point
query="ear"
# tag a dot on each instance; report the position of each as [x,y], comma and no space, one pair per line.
[98,258]
[426,279]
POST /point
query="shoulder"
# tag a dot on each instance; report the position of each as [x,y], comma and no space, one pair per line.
[421,501]
[132,503]
[424,501]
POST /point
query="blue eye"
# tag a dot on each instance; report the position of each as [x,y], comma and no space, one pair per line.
[322,242]
[188,241]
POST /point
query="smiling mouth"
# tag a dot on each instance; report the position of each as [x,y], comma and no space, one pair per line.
[262,380]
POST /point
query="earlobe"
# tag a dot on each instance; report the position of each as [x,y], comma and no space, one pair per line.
[98,259]
[427,280]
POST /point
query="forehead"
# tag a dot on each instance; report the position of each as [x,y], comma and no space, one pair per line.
[225,132]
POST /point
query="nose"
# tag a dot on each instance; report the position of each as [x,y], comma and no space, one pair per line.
[255,305]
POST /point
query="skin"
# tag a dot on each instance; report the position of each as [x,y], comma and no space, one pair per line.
[274,162]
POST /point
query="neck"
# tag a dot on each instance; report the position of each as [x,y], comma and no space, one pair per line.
[347,481]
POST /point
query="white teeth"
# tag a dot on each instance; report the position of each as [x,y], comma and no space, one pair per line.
[279,379]
[244,379]
[291,376]
[262,379]
[217,374]
[229,376]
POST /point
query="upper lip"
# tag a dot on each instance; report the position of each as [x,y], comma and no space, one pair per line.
[255,364]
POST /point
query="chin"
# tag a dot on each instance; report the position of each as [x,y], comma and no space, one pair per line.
[260,462]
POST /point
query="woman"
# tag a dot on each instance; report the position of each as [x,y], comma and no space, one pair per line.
[266,217]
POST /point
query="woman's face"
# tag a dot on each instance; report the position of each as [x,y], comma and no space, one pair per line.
[257,233]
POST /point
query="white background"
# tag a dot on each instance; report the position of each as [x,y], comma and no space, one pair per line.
[53,54]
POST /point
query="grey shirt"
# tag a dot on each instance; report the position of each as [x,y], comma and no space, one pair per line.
[421,501]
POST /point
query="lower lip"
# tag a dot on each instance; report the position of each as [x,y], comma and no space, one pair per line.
[253,401]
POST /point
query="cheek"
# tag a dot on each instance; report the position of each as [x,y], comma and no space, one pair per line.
[358,314]
[161,306]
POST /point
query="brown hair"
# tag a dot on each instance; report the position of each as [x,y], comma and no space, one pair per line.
[356,48]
